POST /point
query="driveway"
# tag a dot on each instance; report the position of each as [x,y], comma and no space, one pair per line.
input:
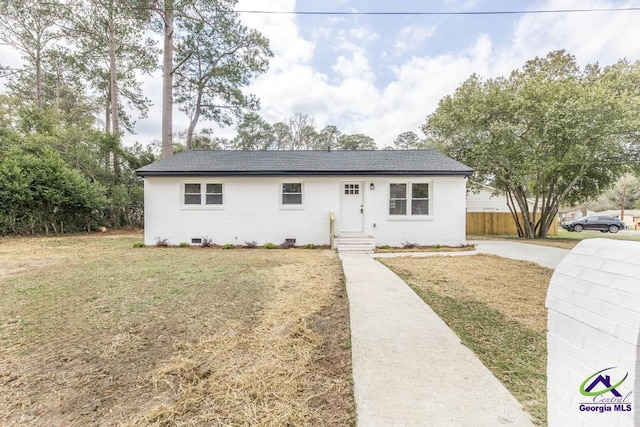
[546,256]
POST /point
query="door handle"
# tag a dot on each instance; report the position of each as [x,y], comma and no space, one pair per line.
[361,209]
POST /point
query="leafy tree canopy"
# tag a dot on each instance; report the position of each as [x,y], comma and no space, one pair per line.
[297,133]
[625,192]
[408,141]
[550,132]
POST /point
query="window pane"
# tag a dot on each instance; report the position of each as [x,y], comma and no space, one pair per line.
[419,207]
[292,199]
[352,189]
[398,191]
[292,187]
[397,207]
[192,188]
[420,191]
[214,188]
[214,199]
[191,199]
[192,194]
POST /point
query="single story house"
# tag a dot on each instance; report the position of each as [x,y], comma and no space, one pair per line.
[386,196]
[488,199]
[572,213]
[485,200]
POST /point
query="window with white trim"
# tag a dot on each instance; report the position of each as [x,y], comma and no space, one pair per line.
[420,199]
[214,194]
[291,193]
[409,199]
[202,194]
[397,199]
[192,194]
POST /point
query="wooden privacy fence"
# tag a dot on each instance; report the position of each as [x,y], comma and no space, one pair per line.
[497,223]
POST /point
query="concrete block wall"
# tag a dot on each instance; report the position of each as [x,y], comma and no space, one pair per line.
[593,304]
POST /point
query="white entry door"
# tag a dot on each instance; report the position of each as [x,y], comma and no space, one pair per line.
[351,207]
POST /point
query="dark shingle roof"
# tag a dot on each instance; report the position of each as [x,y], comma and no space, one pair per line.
[307,163]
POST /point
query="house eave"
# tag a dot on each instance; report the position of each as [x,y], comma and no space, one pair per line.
[145,174]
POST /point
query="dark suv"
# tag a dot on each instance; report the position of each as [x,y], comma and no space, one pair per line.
[603,224]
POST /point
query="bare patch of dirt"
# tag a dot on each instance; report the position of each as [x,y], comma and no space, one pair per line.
[20,254]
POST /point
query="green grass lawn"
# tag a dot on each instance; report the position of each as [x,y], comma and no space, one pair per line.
[95,331]
[564,234]
[564,239]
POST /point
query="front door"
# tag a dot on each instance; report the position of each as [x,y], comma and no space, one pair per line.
[351,207]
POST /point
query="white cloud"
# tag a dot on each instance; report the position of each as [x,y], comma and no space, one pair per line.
[281,30]
[412,37]
[355,67]
[418,86]
[591,37]
[354,39]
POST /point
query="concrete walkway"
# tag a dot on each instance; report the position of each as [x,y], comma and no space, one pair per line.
[409,368]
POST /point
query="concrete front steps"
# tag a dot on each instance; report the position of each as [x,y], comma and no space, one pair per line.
[355,244]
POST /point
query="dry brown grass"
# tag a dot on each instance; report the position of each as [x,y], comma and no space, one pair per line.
[259,375]
[436,248]
[516,289]
[95,332]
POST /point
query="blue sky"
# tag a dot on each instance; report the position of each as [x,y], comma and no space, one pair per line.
[382,75]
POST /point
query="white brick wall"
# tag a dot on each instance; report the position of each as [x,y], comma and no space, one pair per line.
[251,211]
[593,306]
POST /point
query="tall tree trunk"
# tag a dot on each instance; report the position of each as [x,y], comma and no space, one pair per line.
[107,116]
[38,65]
[167,81]
[113,72]
[107,131]
[194,119]
[514,212]
[528,225]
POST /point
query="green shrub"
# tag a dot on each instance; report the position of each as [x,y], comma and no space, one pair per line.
[138,245]
[309,246]
[270,245]
[183,245]
[384,247]
[228,246]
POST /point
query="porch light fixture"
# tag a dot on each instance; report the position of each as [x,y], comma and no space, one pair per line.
[372,186]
